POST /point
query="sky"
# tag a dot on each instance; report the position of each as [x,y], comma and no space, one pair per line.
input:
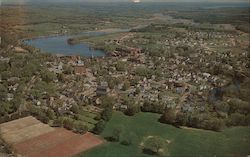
[22,1]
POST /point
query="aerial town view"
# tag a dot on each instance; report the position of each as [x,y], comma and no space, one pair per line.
[124,78]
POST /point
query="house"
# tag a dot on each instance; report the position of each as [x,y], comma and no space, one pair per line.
[75,60]
[120,107]
[79,70]
[102,89]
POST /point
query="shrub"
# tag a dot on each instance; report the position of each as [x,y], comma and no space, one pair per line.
[169,117]
[238,106]
[133,107]
[106,114]
[75,109]
[51,114]
[48,76]
[80,127]
[68,123]
[153,107]
[43,118]
[236,119]
[99,127]
[121,66]
[58,122]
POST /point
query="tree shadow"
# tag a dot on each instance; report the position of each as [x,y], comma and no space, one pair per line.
[149,152]
[111,139]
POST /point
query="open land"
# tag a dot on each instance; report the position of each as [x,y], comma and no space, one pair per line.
[31,138]
[180,141]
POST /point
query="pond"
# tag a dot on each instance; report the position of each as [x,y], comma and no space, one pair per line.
[59,44]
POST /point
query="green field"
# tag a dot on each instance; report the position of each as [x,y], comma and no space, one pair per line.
[233,142]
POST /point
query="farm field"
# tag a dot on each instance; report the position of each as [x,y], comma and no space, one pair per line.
[44,140]
[231,142]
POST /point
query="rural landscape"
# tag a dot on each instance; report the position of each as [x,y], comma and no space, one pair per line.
[113,78]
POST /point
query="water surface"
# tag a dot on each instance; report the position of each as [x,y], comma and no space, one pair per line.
[59,44]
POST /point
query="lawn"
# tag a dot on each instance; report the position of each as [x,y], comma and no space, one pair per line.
[184,142]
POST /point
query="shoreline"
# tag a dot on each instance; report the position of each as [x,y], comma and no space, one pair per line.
[108,30]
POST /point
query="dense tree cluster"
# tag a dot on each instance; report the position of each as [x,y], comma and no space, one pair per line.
[106,114]
[232,113]
[153,107]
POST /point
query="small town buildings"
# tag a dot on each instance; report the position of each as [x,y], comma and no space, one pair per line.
[102,89]
[79,70]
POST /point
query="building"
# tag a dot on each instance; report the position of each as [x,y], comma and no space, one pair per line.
[102,89]
[79,70]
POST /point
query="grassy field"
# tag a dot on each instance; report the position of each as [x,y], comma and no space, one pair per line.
[184,142]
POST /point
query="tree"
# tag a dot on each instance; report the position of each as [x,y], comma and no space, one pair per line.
[67,69]
[99,127]
[222,107]
[154,107]
[42,117]
[4,108]
[48,76]
[128,138]
[169,116]
[30,69]
[132,110]
[50,114]
[80,127]
[144,72]
[4,66]
[121,66]
[61,77]
[3,92]
[153,145]
[75,109]
[181,119]
[133,107]
[68,123]
[137,90]
[126,85]
[212,123]
[42,87]
[107,101]
[106,114]
[217,124]
[39,113]
[239,106]
[58,122]
[236,119]
[115,137]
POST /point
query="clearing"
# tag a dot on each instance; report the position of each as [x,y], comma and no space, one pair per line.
[31,138]
[231,142]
